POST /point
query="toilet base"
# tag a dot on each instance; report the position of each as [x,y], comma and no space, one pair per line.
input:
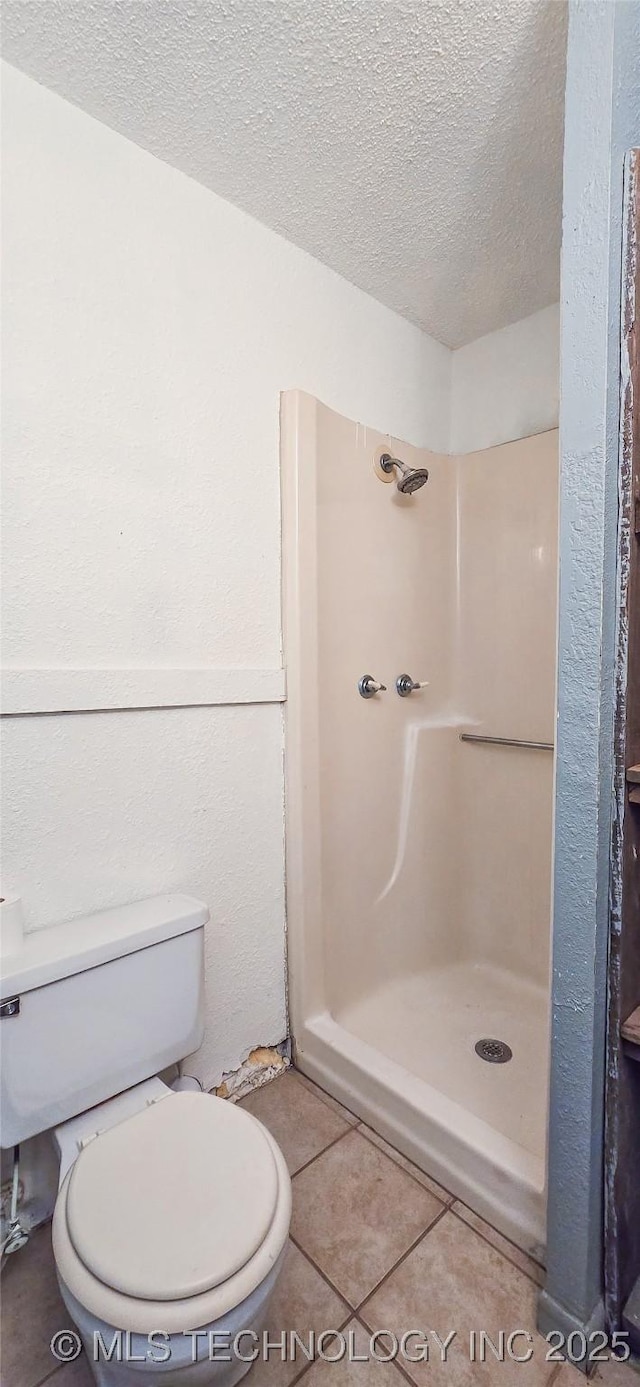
[131,1361]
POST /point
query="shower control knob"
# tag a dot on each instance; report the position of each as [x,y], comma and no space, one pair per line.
[367,686]
[406,685]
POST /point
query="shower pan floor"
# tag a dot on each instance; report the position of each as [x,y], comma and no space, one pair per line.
[430,1022]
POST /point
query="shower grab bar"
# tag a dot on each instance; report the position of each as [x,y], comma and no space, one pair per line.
[505,741]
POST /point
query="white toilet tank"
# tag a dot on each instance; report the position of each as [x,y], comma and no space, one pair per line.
[90,1007]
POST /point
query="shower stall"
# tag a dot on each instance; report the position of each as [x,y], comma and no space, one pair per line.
[420,630]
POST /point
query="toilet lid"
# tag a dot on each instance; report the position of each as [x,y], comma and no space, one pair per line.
[172,1202]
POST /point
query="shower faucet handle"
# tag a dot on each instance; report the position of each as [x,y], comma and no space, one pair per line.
[367,686]
[406,685]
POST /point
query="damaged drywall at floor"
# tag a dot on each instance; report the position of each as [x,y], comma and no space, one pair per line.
[264,1063]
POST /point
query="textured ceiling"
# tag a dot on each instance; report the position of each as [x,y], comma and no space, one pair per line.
[413,145]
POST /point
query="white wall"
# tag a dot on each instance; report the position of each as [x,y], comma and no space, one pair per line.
[148,330]
[506,385]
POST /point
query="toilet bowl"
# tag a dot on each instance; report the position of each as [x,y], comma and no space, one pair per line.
[169,1232]
[173,1208]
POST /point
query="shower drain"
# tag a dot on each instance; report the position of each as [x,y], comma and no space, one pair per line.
[494,1051]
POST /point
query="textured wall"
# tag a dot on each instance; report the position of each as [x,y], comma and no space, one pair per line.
[506,385]
[602,122]
[102,808]
[148,330]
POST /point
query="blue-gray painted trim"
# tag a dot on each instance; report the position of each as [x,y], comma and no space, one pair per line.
[552,1316]
[602,121]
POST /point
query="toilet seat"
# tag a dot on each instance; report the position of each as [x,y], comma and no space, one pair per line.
[173,1217]
[153,1198]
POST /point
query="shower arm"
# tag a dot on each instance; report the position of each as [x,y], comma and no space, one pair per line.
[410,479]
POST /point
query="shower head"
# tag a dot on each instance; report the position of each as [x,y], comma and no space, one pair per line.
[412,480]
[409,478]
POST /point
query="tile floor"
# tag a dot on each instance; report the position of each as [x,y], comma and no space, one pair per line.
[375,1245]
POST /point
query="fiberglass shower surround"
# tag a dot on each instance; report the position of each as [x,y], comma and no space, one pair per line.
[419,827]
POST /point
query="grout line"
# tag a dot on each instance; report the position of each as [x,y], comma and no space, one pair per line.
[324,1275]
[339,1329]
[402,1370]
[450,1197]
[328,1146]
[48,1376]
[499,1250]
[447,1204]
[424,1234]
[296,1380]
[325,1097]
[359,1126]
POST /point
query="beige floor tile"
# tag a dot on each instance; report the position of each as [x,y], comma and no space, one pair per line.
[301,1124]
[31,1312]
[348,1372]
[454,1281]
[407,1165]
[302,1302]
[508,1249]
[355,1212]
[76,1374]
[611,1374]
[325,1097]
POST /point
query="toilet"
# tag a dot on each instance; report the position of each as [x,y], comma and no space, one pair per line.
[173,1208]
